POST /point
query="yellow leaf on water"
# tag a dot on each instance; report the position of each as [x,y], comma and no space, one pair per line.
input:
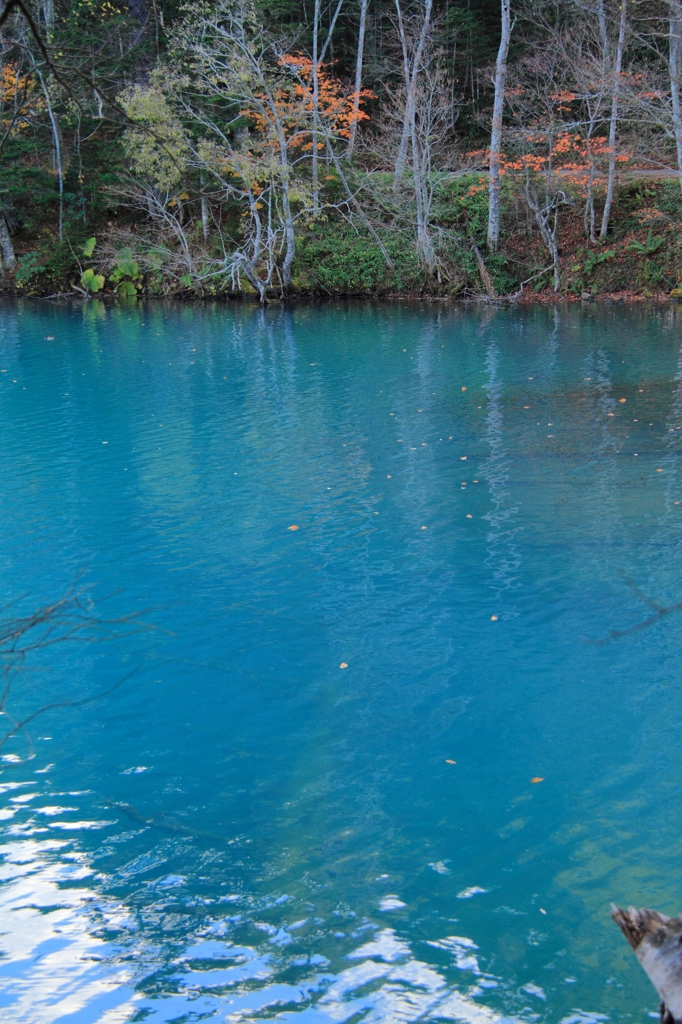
[659,470]
[343,665]
[448,761]
[294,527]
[493,618]
[423,527]
[463,389]
[621,400]
[537,778]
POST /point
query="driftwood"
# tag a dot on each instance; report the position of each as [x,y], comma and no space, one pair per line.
[657,942]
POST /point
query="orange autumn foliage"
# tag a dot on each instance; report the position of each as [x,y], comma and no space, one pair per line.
[16,95]
[294,103]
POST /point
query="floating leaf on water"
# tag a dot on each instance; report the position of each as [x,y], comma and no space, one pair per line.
[294,527]
[493,618]
[463,389]
[462,458]
[543,911]
[537,778]
[448,761]
[621,400]
[659,470]
[343,665]
[469,515]
[423,527]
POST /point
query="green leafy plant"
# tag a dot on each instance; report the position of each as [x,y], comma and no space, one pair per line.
[595,258]
[89,247]
[91,281]
[28,266]
[649,247]
[126,276]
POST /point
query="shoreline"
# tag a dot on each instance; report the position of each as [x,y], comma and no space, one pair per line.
[525,299]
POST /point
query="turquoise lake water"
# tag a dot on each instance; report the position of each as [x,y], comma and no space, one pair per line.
[243,830]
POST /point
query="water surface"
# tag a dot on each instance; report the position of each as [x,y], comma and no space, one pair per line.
[243,830]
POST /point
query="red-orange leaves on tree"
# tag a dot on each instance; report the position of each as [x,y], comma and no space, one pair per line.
[294,102]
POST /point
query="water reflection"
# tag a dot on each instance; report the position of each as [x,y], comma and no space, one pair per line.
[247,830]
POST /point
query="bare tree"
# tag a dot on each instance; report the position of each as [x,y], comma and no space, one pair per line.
[413,40]
[613,124]
[318,56]
[542,127]
[429,109]
[675,64]
[500,81]
[358,75]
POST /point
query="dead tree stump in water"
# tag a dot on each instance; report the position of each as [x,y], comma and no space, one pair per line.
[657,942]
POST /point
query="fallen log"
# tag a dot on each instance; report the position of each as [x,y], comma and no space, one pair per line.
[657,942]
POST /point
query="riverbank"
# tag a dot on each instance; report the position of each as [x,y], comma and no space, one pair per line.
[376,257]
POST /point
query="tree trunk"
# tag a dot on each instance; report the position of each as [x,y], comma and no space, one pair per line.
[57,143]
[485,276]
[614,120]
[594,106]
[205,212]
[603,32]
[657,942]
[316,109]
[420,171]
[48,16]
[410,74]
[496,130]
[548,231]
[7,257]
[675,43]
[358,75]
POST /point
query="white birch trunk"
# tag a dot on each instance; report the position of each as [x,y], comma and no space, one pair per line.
[205,212]
[675,44]
[594,108]
[316,109]
[496,128]
[57,143]
[358,75]
[7,257]
[620,48]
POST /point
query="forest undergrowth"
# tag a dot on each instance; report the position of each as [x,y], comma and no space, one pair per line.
[641,258]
